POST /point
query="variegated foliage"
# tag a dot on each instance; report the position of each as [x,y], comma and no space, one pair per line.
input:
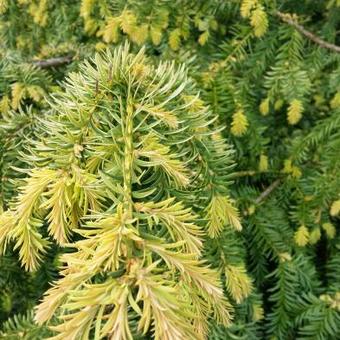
[130,177]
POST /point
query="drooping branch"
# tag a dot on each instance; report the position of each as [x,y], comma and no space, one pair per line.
[53,62]
[287,18]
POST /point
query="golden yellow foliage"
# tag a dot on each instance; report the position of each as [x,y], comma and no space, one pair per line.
[301,236]
[169,118]
[335,208]
[259,21]
[314,236]
[239,123]
[203,38]
[128,22]
[35,92]
[179,221]
[263,164]
[296,172]
[238,283]
[294,113]
[175,39]
[156,34]
[110,32]
[100,46]
[18,92]
[291,169]
[158,307]
[159,155]
[329,229]
[285,257]
[221,212]
[247,6]
[251,209]
[287,166]
[3,6]
[4,104]
[278,104]
[335,102]
[332,301]
[86,8]
[7,223]
[59,204]
[198,277]
[264,107]
[140,34]
[29,241]
[193,103]
[258,312]
[39,12]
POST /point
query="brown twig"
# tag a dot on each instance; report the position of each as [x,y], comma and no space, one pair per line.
[268,191]
[53,62]
[287,18]
[244,173]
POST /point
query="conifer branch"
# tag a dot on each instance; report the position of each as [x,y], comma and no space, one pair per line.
[287,18]
[53,62]
[244,173]
[117,183]
[123,213]
[268,191]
